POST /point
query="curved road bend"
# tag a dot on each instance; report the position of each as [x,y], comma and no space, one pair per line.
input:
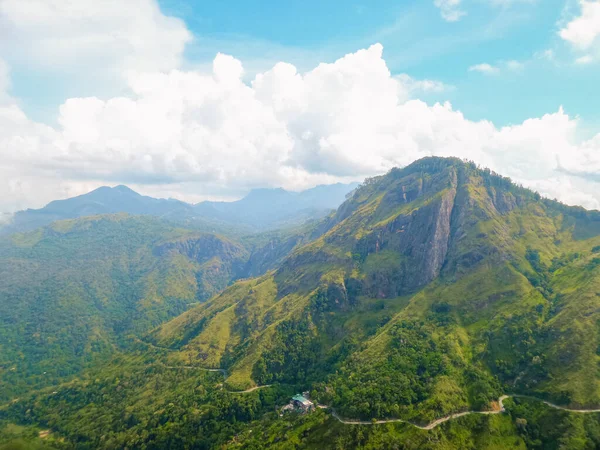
[430,426]
[454,416]
[224,372]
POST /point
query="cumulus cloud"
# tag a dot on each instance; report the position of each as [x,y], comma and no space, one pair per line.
[450,10]
[209,132]
[91,35]
[583,31]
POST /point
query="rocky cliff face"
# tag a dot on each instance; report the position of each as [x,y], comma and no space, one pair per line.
[419,240]
[270,255]
[218,261]
[408,227]
[203,247]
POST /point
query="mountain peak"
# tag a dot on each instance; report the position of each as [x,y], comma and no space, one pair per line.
[108,190]
[125,189]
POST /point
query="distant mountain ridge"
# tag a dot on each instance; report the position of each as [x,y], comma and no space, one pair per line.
[261,209]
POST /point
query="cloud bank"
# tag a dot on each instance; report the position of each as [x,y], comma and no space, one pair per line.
[213,133]
[195,134]
[112,36]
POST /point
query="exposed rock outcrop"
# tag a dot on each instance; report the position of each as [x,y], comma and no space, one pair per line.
[420,239]
[203,247]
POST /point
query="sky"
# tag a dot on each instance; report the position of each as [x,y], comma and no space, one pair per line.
[206,100]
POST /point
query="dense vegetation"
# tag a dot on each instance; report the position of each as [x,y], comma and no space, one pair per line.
[419,378]
[526,425]
[433,289]
[73,292]
[138,402]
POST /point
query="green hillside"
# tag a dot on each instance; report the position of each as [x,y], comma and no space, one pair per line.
[70,293]
[436,288]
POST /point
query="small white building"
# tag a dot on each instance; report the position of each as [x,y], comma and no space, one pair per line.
[302,403]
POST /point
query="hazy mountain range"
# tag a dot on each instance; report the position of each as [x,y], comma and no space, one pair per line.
[261,209]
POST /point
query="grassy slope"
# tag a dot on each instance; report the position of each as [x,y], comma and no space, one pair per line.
[355,317]
[486,309]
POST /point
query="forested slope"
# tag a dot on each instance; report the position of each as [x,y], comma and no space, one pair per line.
[436,288]
[73,291]
[432,290]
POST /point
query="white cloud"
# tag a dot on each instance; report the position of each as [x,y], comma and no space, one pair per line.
[547,54]
[582,32]
[4,81]
[113,36]
[450,9]
[500,66]
[515,66]
[209,133]
[417,87]
[485,68]
[585,59]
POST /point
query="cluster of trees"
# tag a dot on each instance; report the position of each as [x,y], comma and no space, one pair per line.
[391,386]
[293,357]
[517,349]
[541,427]
[145,405]
[528,424]
[541,277]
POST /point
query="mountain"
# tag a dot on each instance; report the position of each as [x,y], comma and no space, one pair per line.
[276,208]
[260,209]
[435,288]
[71,292]
[74,291]
[104,200]
[432,290]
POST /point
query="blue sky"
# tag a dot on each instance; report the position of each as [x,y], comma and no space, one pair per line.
[416,41]
[206,100]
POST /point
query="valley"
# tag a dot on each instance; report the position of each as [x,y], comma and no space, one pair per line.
[435,298]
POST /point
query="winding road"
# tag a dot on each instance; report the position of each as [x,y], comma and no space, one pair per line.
[441,420]
[224,372]
[429,426]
